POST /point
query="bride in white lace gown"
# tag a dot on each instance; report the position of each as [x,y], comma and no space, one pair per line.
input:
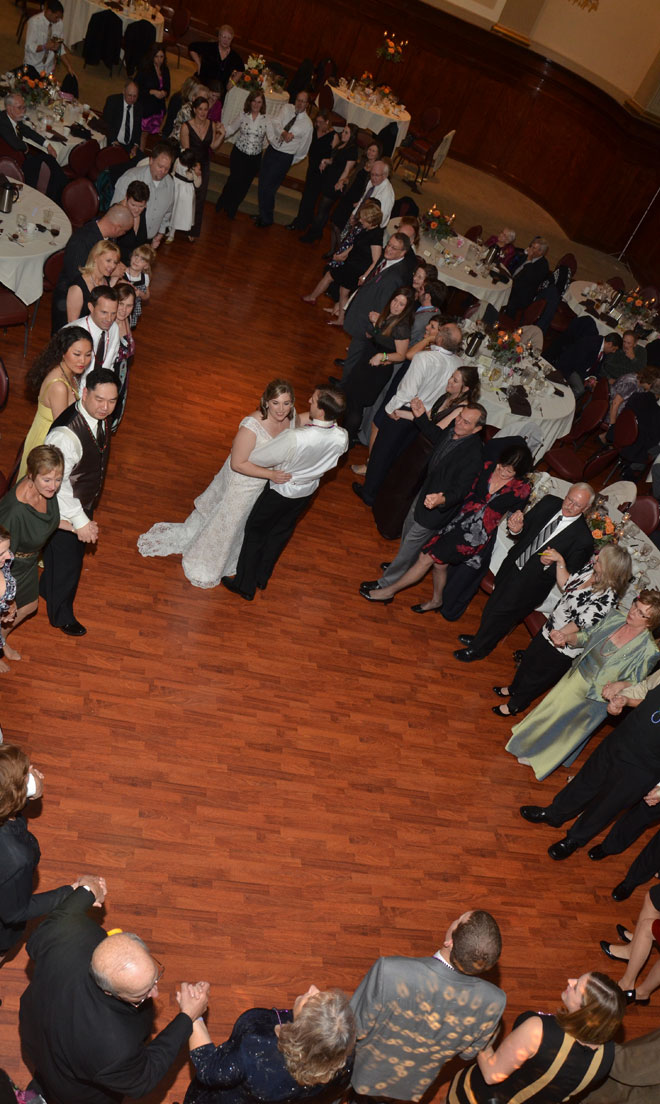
[210,538]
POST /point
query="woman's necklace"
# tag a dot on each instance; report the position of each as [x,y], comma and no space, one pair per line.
[70,379]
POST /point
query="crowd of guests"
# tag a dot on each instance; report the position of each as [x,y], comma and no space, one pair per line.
[404,392]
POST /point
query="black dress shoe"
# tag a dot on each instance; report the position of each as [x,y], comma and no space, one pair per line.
[500,692]
[497,710]
[622,933]
[368,594]
[229,583]
[338,362]
[385,564]
[606,948]
[562,849]
[622,891]
[537,814]
[465,639]
[369,584]
[358,489]
[74,628]
[420,609]
[596,853]
[468,655]
[517,655]
[631,997]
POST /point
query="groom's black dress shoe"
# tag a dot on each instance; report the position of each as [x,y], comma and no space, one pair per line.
[465,639]
[74,628]
[469,655]
[562,848]
[229,583]
[537,814]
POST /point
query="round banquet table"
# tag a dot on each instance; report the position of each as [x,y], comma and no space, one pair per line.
[72,114]
[22,265]
[455,270]
[368,117]
[77,14]
[235,102]
[574,298]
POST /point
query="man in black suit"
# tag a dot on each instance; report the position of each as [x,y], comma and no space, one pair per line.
[25,140]
[529,271]
[122,116]
[452,469]
[528,573]
[394,270]
[579,352]
[87,1014]
[116,221]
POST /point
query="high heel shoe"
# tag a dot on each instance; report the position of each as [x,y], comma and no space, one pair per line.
[606,948]
[497,710]
[499,690]
[622,933]
[632,998]
[310,302]
[420,609]
[380,601]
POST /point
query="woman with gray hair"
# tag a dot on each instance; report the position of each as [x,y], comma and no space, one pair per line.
[272,1054]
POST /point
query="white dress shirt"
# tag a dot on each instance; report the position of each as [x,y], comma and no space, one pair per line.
[426,379]
[161,197]
[111,345]
[71,448]
[307,453]
[384,193]
[38,33]
[301,129]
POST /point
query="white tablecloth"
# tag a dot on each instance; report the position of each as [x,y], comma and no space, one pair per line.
[573,297]
[21,265]
[368,117]
[77,14]
[457,274]
[72,114]
[235,102]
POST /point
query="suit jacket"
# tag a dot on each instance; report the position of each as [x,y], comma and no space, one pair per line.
[113,114]
[19,856]
[452,473]
[420,1010]
[8,134]
[526,283]
[375,294]
[579,349]
[536,580]
[635,1074]
[88,1047]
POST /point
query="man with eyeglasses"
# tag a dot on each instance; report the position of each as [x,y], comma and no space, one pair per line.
[87,1014]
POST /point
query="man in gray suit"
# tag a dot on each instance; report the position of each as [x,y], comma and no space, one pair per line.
[414,1014]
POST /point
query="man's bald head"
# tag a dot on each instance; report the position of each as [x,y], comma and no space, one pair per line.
[131,92]
[122,966]
[116,221]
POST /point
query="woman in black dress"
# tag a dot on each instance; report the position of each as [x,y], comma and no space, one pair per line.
[201,136]
[319,150]
[20,782]
[153,80]
[276,1054]
[335,174]
[634,953]
[359,250]
[549,1058]
[97,271]
[499,488]
[388,345]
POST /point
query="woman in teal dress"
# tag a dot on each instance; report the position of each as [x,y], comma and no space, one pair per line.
[30,513]
[619,647]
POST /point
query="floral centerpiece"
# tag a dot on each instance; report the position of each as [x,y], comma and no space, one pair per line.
[603,529]
[436,225]
[506,348]
[36,90]
[367,77]
[251,79]
[390,50]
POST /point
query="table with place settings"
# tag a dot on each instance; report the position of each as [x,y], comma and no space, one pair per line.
[33,230]
[581,295]
[58,130]
[77,14]
[460,264]
[367,113]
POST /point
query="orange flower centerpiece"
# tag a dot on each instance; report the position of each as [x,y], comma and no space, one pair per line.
[36,90]
[252,78]
[436,225]
[506,348]
[603,529]
[390,50]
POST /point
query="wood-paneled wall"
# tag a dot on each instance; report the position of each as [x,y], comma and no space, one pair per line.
[587,160]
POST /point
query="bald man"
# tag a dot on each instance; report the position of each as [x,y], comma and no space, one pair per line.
[87,1015]
[116,221]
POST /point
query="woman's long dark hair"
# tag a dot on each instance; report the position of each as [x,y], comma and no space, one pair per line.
[470,394]
[59,344]
[387,321]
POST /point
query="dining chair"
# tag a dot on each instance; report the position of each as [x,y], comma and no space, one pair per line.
[570,260]
[13,312]
[27,11]
[80,200]
[616,282]
[179,24]
[474,232]
[9,167]
[82,158]
[645,513]
[52,269]
[4,385]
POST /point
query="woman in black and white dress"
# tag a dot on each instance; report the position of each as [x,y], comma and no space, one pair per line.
[245,157]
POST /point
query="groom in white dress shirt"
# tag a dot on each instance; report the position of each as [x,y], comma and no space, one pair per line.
[306,453]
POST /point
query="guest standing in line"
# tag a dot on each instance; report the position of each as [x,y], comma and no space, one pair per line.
[201,136]
[335,172]
[153,80]
[322,140]
[98,271]
[245,157]
[126,350]
[289,134]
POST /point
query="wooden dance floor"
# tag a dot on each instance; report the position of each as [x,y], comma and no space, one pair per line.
[278,792]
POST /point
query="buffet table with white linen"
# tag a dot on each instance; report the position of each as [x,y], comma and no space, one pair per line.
[23,252]
[41,119]
[581,290]
[354,108]
[235,103]
[459,265]
[77,14]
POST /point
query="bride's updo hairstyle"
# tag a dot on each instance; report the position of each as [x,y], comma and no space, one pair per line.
[274,389]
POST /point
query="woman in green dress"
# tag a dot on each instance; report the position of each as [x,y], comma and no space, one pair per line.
[30,513]
[619,647]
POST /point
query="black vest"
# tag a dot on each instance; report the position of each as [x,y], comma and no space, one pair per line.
[88,474]
[638,736]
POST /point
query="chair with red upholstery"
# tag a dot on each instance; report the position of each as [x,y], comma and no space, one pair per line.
[82,158]
[426,138]
[112,155]
[4,385]
[534,622]
[616,282]
[80,201]
[14,313]
[11,168]
[487,584]
[27,11]
[474,232]
[177,28]
[645,513]
[533,312]
[327,103]
[52,269]
[570,260]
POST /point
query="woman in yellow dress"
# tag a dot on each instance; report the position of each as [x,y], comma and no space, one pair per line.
[53,381]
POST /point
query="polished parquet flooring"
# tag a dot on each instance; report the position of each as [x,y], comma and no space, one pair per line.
[276,792]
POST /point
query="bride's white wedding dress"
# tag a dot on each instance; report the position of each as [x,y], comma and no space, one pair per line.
[210,538]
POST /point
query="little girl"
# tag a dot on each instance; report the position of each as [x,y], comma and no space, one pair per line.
[137,274]
[187,176]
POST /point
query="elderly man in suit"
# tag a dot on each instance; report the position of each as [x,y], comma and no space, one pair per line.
[378,188]
[529,270]
[551,528]
[122,117]
[452,469]
[581,352]
[37,152]
[414,1014]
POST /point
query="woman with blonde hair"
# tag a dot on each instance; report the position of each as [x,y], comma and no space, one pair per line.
[98,270]
[275,1054]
